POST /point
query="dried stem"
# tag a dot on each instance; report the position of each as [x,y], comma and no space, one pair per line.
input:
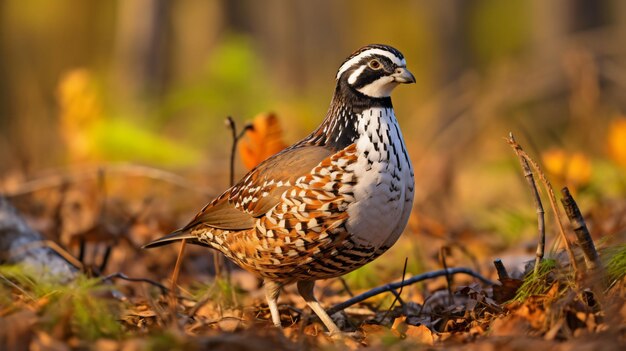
[179,261]
[397,294]
[123,276]
[175,274]
[230,122]
[58,211]
[345,286]
[444,264]
[22,249]
[218,263]
[592,260]
[525,159]
[105,259]
[414,279]
[541,224]
[218,259]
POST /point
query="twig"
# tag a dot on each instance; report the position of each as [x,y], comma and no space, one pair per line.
[345,286]
[467,253]
[397,294]
[178,264]
[541,224]
[592,260]
[81,249]
[52,246]
[502,273]
[442,258]
[230,122]
[58,211]
[414,279]
[218,259]
[174,280]
[105,259]
[555,210]
[123,276]
[551,197]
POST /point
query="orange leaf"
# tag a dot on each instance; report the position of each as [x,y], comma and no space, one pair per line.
[573,169]
[616,140]
[261,142]
[421,334]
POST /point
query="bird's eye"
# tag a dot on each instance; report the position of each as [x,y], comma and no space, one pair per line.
[375,64]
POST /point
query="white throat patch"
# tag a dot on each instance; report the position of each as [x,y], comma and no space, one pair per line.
[381,87]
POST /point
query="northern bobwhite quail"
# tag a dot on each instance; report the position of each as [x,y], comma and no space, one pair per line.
[328,204]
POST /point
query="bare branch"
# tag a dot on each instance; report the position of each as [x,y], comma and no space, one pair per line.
[174,281]
[396,293]
[414,279]
[123,276]
[444,264]
[526,160]
[230,123]
[541,225]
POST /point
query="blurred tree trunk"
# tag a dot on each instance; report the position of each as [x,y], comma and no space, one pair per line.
[451,26]
[570,58]
[196,27]
[588,14]
[550,27]
[294,35]
[555,21]
[141,54]
[451,23]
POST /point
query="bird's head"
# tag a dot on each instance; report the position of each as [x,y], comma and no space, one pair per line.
[374,70]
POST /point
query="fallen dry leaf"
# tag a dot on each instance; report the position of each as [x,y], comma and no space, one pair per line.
[44,342]
[507,290]
[262,141]
[420,333]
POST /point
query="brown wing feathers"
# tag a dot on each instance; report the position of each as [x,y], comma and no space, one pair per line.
[258,192]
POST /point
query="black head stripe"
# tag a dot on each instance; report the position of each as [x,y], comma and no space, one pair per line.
[376,46]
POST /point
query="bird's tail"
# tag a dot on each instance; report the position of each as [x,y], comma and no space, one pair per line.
[172,237]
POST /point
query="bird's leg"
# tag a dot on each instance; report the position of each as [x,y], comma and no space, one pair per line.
[272,289]
[305,288]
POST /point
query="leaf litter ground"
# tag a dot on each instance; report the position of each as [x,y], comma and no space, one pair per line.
[101,224]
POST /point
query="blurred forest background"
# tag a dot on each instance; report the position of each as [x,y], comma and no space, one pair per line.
[150,82]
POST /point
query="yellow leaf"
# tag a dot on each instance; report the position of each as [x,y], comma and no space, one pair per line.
[554,161]
[578,169]
[572,169]
[262,141]
[80,108]
[616,140]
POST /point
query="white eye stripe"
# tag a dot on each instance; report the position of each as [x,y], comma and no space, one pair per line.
[353,77]
[369,52]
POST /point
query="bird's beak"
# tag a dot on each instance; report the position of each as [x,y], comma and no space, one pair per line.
[402,75]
